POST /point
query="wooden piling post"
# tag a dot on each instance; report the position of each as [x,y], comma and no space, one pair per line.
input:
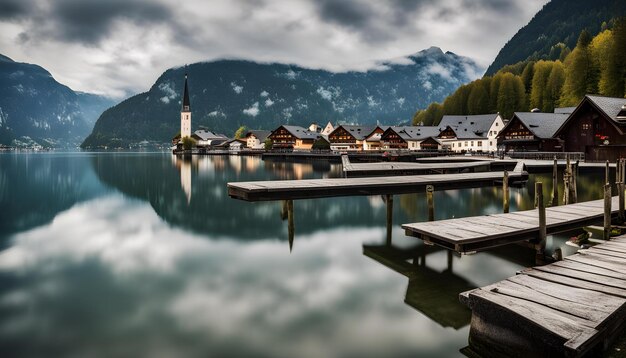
[606,173]
[607,211]
[541,247]
[555,183]
[505,192]
[389,202]
[574,186]
[567,181]
[431,202]
[290,226]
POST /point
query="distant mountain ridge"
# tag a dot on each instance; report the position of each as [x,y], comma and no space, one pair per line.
[35,108]
[558,21]
[226,94]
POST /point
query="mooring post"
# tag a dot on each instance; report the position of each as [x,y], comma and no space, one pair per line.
[606,173]
[431,202]
[555,183]
[505,192]
[574,186]
[389,202]
[607,211]
[541,208]
[290,226]
[566,181]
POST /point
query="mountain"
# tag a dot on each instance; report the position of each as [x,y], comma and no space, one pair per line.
[558,21]
[35,108]
[226,94]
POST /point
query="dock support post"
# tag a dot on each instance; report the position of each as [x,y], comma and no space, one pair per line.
[450,260]
[555,183]
[505,192]
[573,186]
[541,247]
[567,173]
[430,200]
[389,202]
[621,187]
[606,173]
[290,226]
[607,211]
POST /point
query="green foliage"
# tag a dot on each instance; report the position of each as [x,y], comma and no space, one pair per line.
[188,143]
[580,73]
[321,144]
[430,116]
[268,144]
[478,99]
[511,95]
[239,133]
[527,75]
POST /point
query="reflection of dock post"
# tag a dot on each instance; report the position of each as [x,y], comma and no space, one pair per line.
[607,211]
[505,192]
[555,183]
[431,202]
[541,208]
[450,260]
[389,202]
[290,227]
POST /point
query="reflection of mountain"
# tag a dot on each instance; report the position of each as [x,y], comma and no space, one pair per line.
[157,179]
[34,188]
[433,293]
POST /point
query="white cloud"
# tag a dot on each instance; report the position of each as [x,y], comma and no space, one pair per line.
[253,110]
[238,89]
[436,68]
[264,94]
[268,102]
[427,85]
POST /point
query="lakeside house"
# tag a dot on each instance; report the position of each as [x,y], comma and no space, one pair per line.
[205,138]
[597,127]
[407,137]
[292,137]
[373,140]
[328,129]
[255,139]
[475,133]
[532,131]
[350,137]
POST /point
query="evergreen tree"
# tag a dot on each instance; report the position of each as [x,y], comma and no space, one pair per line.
[429,116]
[494,90]
[538,93]
[527,75]
[478,99]
[553,87]
[511,95]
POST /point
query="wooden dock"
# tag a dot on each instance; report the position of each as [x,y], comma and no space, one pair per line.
[471,234]
[324,188]
[355,170]
[575,307]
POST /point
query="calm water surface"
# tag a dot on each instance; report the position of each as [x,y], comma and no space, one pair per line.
[144,255]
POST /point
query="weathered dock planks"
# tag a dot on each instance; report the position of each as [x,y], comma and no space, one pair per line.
[569,308]
[324,188]
[472,234]
[355,170]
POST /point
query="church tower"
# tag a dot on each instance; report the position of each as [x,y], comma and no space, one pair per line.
[185,114]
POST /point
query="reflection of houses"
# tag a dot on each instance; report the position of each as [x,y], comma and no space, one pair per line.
[409,137]
[292,137]
[475,133]
[597,127]
[532,131]
[433,293]
[206,138]
[233,145]
[255,139]
[349,137]
[184,165]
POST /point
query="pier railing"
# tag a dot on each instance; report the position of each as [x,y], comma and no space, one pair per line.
[574,156]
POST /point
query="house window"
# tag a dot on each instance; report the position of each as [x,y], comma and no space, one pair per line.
[490,143]
[496,124]
[466,144]
[586,126]
[480,143]
[452,145]
[472,143]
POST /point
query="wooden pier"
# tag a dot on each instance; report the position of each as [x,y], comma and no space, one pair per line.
[471,234]
[575,307]
[324,188]
[354,170]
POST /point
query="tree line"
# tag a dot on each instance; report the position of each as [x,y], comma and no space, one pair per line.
[595,66]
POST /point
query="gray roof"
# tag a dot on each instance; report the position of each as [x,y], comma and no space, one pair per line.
[469,127]
[301,133]
[566,110]
[260,134]
[416,132]
[609,105]
[542,125]
[208,135]
[358,132]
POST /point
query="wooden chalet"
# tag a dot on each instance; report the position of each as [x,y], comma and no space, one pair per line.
[407,137]
[350,138]
[532,131]
[597,127]
[255,139]
[292,137]
[475,133]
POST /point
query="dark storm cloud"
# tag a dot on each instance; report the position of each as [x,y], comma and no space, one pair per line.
[15,9]
[89,21]
[348,13]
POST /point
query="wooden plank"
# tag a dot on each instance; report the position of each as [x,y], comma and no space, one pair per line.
[595,262]
[606,247]
[600,251]
[568,281]
[580,267]
[583,275]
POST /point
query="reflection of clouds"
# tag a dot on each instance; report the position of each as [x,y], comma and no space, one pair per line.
[115,272]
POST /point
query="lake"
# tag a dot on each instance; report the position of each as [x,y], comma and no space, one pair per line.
[145,255]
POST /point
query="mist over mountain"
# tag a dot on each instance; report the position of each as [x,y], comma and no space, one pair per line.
[226,94]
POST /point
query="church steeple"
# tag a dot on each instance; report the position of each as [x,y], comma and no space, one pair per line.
[185,114]
[186,106]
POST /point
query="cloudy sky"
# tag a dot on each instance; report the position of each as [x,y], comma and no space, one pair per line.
[120,47]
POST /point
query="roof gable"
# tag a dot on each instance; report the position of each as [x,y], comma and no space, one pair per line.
[609,107]
[542,125]
[469,127]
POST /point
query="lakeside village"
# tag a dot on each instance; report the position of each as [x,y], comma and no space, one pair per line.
[595,129]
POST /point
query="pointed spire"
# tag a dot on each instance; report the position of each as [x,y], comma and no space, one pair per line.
[186,106]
